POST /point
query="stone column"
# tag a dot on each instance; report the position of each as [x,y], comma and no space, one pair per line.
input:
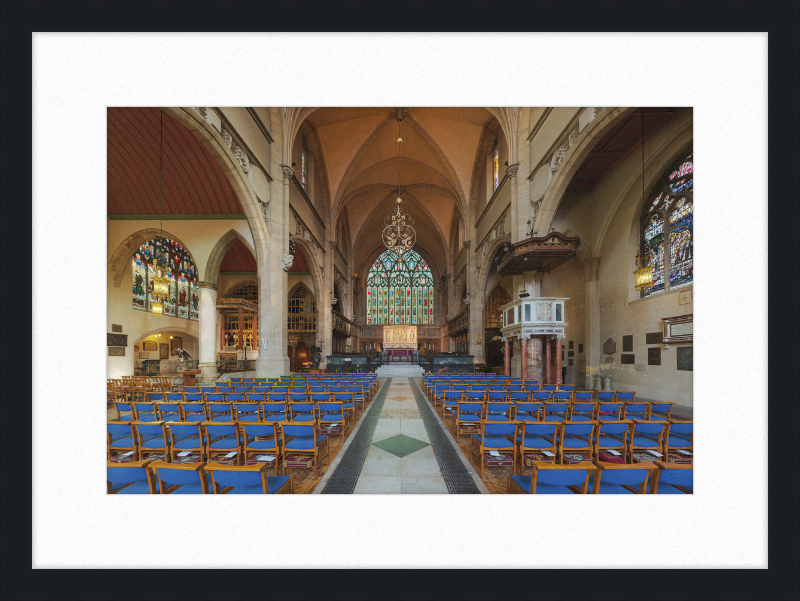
[507,357]
[547,370]
[558,362]
[208,329]
[591,270]
[524,359]
[535,361]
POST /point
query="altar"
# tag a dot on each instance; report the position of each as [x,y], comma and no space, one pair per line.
[399,354]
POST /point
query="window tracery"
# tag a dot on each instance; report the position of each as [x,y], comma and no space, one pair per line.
[399,289]
[667,228]
[183,300]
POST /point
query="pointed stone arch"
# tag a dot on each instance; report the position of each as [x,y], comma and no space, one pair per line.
[123,253]
[313,265]
[222,246]
[486,265]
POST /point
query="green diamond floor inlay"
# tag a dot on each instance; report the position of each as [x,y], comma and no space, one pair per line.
[400,445]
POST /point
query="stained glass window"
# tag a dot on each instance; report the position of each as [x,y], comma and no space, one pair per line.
[184,299]
[399,289]
[496,158]
[667,221]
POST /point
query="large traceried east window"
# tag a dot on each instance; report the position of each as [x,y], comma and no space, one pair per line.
[399,289]
[183,300]
[667,222]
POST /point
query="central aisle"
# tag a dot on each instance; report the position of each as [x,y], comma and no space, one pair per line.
[400,457]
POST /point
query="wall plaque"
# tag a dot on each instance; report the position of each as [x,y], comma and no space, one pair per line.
[609,347]
[580,348]
[116,351]
[654,356]
[685,361]
[627,343]
[570,344]
[115,327]
[654,337]
[610,359]
[116,339]
[628,359]
[570,362]
[571,354]
[678,329]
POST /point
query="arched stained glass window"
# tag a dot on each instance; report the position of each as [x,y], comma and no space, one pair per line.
[399,289]
[303,167]
[183,300]
[667,225]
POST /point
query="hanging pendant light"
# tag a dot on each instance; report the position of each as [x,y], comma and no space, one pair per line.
[160,280]
[398,233]
[644,273]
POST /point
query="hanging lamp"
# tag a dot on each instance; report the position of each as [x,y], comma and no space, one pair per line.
[399,234]
[644,273]
[160,280]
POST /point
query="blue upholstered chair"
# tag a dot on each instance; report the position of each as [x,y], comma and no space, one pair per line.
[331,413]
[500,437]
[347,400]
[262,438]
[549,387]
[450,401]
[556,411]
[582,410]
[526,411]
[541,397]
[609,411]
[679,436]
[181,478]
[612,435]
[185,436]
[619,478]
[647,436]
[659,407]
[553,479]
[246,480]
[223,438]
[120,439]
[151,438]
[359,397]
[301,412]
[606,396]
[133,478]
[468,416]
[169,411]
[566,387]
[219,411]
[208,389]
[576,437]
[123,407]
[246,412]
[145,412]
[498,412]
[303,438]
[193,411]
[536,437]
[672,479]
[191,390]
[519,396]
[633,409]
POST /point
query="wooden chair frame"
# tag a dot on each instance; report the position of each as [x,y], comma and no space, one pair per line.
[589,440]
[172,440]
[197,467]
[663,465]
[278,450]
[659,444]
[142,463]
[602,465]
[315,451]
[214,466]
[541,465]
[512,448]
[522,448]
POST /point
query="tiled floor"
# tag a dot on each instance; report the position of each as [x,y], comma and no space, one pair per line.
[400,458]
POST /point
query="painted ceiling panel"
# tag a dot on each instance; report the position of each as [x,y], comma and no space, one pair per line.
[238,259]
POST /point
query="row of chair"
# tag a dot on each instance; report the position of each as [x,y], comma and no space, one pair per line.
[600,477]
[624,441]
[521,407]
[253,410]
[158,477]
[289,443]
[463,385]
[132,387]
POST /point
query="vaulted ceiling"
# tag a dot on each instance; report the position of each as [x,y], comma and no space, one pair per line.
[238,259]
[361,157]
[193,182]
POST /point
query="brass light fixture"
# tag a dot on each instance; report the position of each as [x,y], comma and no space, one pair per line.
[398,233]
[644,273]
[160,280]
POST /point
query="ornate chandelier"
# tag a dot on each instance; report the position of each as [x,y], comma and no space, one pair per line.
[160,281]
[398,233]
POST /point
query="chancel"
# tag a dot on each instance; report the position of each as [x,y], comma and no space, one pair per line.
[471,300]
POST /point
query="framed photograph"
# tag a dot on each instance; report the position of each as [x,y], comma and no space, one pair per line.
[149,345]
[175,343]
[163,350]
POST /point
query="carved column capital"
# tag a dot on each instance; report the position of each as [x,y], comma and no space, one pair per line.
[467,243]
[287,171]
[207,285]
[512,170]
